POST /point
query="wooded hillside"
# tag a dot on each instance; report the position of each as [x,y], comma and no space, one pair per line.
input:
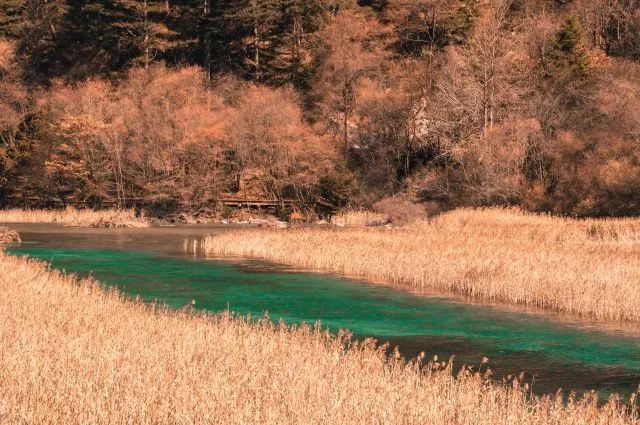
[176,103]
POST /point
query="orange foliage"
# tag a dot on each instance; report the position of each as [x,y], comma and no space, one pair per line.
[163,133]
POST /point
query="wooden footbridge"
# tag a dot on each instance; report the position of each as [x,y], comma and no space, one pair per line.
[259,204]
[256,203]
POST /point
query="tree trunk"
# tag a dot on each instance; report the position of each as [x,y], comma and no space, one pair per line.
[345,124]
[207,54]
[256,54]
[147,58]
[119,179]
[485,99]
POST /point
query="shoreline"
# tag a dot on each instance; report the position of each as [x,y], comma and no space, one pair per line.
[187,234]
[622,328]
[491,260]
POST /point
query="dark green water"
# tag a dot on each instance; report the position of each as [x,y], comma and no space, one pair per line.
[148,263]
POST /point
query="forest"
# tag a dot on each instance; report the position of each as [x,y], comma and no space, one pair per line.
[174,104]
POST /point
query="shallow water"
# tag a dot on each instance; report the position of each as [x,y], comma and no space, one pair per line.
[150,263]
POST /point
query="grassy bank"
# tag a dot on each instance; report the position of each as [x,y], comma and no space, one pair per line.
[584,267]
[75,217]
[74,353]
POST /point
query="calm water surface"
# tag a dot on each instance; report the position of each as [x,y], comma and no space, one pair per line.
[150,263]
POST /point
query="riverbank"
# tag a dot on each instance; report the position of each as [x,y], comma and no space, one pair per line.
[73,217]
[588,268]
[76,353]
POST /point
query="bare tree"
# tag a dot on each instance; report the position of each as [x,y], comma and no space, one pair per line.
[351,53]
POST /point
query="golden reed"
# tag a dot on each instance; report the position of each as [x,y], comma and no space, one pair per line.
[75,217]
[75,353]
[583,267]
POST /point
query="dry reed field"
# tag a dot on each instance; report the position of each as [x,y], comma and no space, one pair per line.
[75,217]
[582,267]
[75,353]
[358,218]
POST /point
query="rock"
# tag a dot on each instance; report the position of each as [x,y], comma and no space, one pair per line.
[8,235]
[379,223]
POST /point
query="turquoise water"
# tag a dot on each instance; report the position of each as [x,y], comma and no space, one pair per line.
[149,265]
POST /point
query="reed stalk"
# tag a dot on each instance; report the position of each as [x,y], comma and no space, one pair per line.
[74,217]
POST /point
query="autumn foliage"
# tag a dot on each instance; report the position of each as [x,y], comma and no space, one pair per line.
[534,103]
[166,136]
